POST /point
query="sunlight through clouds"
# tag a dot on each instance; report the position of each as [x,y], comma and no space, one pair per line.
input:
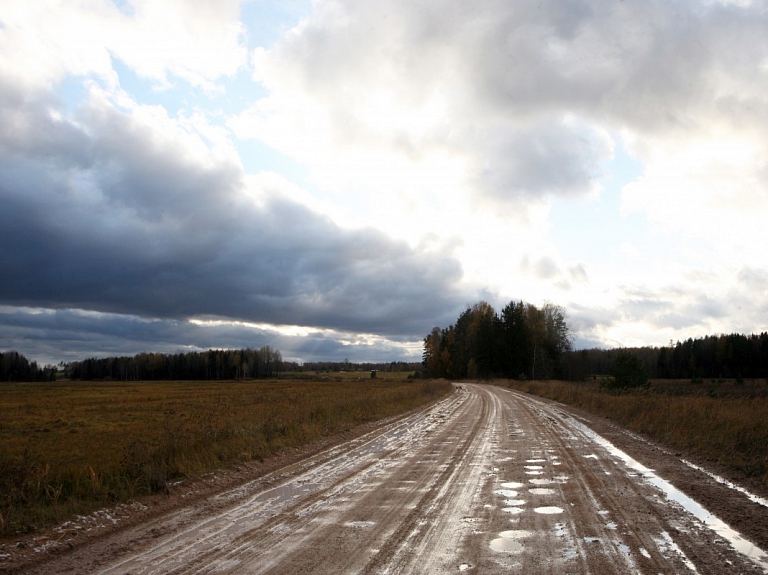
[362,171]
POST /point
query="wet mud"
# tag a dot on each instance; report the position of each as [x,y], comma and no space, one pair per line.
[485,481]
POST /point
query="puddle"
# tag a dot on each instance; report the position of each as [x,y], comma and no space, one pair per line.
[645,553]
[548,510]
[465,567]
[502,545]
[666,542]
[534,472]
[506,493]
[512,485]
[541,481]
[536,461]
[560,530]
[509,541]
[541,491]
[359,524]
[515,534]
[751,496]
[590,456]
[717,525]
[514,502]
[513,510]
[534,467]
[625,549]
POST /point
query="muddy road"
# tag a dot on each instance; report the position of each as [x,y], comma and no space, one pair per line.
[486,481]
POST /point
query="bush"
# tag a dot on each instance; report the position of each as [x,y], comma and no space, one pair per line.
[628,372]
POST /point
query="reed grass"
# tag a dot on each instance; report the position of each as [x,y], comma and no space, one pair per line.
[729,429]
[71,447]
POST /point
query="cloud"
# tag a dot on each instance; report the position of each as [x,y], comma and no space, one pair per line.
[50,336]
[524,95]
[197,41]
[435,144]
[543,268]
[142,217]
[578,273]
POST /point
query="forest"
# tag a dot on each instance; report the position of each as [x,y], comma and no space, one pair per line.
[16,367]
[213,364]
[527,342]
[521,342]
[725,356]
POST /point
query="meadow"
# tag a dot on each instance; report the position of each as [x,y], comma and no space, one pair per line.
[71,447]
[724,422]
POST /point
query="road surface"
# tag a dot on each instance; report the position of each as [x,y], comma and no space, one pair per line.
[485,481]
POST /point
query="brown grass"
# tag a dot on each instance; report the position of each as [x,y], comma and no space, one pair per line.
[730,429]
[71,447]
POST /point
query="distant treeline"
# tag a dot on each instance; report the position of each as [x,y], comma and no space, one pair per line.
[712,357]
[522,341]
[346,365]
[16,367]
[198,365]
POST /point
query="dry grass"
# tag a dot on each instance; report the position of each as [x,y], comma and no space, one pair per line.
[71,447]
[730,429]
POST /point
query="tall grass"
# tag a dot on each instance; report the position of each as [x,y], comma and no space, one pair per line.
[69,448]
[730,430]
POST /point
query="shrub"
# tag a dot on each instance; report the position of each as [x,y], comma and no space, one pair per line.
[628,372]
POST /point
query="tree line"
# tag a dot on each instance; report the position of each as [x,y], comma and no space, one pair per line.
[16,367]
[214,364]
[712,357]
[521,341]
[346,365]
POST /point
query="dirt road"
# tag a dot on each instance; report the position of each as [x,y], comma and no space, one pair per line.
[486,481]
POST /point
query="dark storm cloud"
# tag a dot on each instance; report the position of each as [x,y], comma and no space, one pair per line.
[50,336]
[102,213]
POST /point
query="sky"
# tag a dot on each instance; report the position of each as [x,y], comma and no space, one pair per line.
[333,178]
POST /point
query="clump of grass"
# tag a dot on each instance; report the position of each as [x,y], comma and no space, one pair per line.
[727,426]
[69,448]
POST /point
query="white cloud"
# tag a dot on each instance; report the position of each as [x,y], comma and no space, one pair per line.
[453,126]
[197,41]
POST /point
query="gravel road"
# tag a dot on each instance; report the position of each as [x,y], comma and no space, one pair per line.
[485,481]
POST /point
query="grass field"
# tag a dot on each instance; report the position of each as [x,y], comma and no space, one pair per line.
[70,447]
[723,422]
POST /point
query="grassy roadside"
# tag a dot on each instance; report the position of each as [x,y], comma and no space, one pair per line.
[728,426]
[71,447]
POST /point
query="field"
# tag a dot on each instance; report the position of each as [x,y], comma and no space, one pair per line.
[70,447]
[721,422]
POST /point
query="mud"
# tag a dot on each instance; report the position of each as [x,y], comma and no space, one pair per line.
[485,481]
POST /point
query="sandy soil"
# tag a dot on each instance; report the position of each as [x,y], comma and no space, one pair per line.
[485,481]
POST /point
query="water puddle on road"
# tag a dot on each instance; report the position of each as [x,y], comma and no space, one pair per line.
[548,510]
[513,510]
[514,502]
[506,493]
[512,485]
[359,524]
[509,541]
[534,467]
[534,472]
[717,525]
[541,481]
[541,491]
